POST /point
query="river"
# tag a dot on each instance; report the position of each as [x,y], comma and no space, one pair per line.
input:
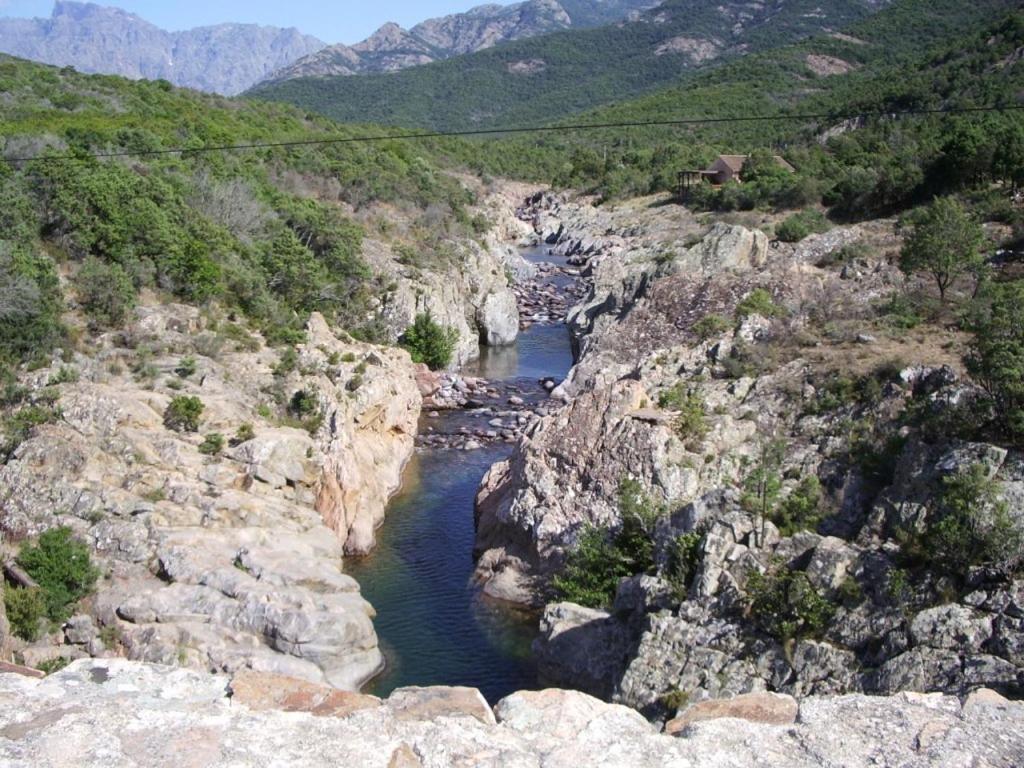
[434,626]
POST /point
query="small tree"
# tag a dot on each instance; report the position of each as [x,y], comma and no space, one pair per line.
[763,485]
[429,342]
[601,557]
[105,292]
[971,525]
[996,358]
[945,244]
[183,413]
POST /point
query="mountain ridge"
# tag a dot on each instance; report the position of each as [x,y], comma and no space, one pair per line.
[223,58]
[530,80]
[393,48]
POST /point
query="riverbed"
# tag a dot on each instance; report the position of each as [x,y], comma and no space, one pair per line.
[434,626]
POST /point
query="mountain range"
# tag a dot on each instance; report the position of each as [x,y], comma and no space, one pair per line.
[392,48]
[533,80]
[230,58]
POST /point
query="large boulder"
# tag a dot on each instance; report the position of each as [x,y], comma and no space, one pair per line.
[498,319]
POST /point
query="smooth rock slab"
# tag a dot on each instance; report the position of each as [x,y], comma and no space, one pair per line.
[766,708]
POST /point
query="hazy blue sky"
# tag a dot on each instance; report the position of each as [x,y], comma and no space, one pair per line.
[348,21]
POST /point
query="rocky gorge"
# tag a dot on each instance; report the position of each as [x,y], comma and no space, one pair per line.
[239,564]
[693,629]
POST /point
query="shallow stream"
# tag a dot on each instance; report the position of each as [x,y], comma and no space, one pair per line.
[435,627]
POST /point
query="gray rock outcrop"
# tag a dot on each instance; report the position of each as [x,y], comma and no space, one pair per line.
[230,561]
[101,713]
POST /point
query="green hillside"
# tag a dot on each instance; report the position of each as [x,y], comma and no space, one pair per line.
[273,234]
[536,80]
[930,54]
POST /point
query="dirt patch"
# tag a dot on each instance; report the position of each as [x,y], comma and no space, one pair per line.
[697,49]
[526,67]
[825,66]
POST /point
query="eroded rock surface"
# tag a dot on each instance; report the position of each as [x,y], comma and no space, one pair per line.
[113,712]
[231,560]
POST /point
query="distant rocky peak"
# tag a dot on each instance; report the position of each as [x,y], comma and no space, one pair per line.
[389,37]
[72,11]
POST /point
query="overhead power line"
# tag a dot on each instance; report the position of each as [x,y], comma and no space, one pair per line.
[519,130]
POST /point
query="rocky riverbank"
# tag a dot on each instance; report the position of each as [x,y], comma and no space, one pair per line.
[752,337]
[112,712]
[228,557]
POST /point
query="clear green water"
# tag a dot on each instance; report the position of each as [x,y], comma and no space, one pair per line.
[434,626]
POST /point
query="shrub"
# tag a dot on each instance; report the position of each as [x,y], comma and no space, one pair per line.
[62,568]
[66,375]
[212,445]
[244,434]
[757,302]
[183,413]
[53,665]
[305,406]
[601,558]
[105,291]
[786,605]
[691,425]
[25,610]
[800,225]
[996,358]
[970,525]
[289,362]
[801,509]
[186,367]
[18,427]
[429,343]
[684,555]
[710,326]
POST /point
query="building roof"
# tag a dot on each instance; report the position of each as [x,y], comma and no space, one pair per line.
[735,162]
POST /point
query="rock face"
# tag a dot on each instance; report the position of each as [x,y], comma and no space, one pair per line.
[392,48]
[644,340]
[229,561]
[227,59]
[469,292]
[101,713]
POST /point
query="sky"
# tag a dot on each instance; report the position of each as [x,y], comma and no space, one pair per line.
[344,21]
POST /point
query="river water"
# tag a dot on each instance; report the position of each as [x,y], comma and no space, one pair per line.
[435,628]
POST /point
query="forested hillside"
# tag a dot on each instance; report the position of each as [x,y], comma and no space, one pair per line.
[272,234]
[536,80]
[915,55]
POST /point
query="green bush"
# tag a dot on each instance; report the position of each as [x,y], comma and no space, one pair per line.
[710,326]
[758,302]
[786,605]
[25,610]
[691,425]
[304,406]
[244,434]
[105,292]
[62,568]
[801,510]
[996,357]
[601,558]
[684,556]
[212,445]
[970,525]
[429,343]
[183,413]
[186,367]
[800,225]
[18,427]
